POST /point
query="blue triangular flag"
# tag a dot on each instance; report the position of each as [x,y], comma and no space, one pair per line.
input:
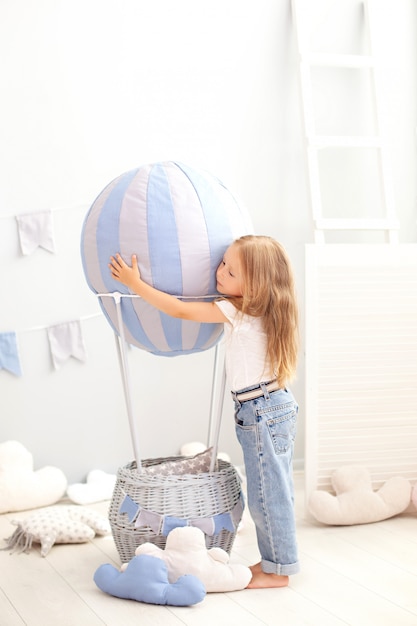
[9,353]
[130,507]
[223,520]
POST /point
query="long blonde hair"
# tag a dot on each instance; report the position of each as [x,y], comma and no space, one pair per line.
[269,292]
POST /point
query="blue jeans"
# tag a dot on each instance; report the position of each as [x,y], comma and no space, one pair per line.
[266,429]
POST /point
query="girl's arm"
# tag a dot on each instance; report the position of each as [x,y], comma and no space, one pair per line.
[195,311]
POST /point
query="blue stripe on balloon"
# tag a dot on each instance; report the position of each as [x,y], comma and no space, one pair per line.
[88,236]
[108,244]
[219,236]
[172,330]
[205,334]
[162,234]
[107,236]
[219,232]
[163,245]
[133,324]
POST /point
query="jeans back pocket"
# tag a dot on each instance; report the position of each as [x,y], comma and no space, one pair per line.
[282,431]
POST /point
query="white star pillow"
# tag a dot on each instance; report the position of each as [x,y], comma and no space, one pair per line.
[197,464]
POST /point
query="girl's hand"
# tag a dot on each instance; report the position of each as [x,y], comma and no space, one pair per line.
[122,272]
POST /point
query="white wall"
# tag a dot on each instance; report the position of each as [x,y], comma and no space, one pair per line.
[92,88]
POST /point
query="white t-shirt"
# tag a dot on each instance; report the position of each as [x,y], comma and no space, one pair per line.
[246,343]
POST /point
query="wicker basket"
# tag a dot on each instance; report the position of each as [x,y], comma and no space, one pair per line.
[193,497]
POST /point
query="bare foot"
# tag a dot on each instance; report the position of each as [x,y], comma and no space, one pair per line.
[256,568]
[261,580]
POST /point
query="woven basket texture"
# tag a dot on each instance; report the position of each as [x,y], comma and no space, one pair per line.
[186,496]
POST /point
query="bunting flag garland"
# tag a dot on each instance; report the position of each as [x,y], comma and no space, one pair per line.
[9,353]
[36,229]
[66,340]
[163,524]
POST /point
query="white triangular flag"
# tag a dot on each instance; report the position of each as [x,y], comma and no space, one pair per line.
[36,229]
[65,341]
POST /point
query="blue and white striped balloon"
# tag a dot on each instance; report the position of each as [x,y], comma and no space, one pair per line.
[178,221]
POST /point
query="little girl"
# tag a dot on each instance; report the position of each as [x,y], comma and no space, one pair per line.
[260,317]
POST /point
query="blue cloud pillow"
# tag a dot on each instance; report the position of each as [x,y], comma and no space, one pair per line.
[146,580]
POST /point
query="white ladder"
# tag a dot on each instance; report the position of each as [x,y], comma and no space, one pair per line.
[315,143]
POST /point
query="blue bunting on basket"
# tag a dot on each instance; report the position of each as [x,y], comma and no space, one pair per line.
[163,524]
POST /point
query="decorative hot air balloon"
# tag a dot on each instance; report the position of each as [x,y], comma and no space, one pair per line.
[178,221]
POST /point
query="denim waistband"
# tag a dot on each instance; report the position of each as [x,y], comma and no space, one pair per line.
[250,393]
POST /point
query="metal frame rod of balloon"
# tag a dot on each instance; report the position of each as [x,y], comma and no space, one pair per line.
[218,371]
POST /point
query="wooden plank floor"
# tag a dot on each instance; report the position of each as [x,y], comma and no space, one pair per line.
[359,575]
